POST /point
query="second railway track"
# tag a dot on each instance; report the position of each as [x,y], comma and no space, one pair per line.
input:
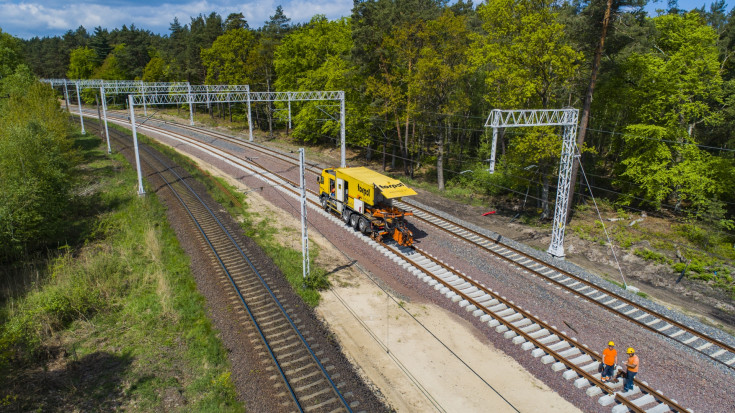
[306,382]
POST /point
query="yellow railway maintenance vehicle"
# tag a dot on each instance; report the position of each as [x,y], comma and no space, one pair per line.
[364,199]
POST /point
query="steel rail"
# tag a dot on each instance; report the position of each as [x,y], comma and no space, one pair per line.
[227,272]
[583,281]
[558,283]
[584,349]
[264,283]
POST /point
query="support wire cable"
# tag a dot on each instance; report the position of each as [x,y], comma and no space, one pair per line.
[662,140]
[612,246]
[584,195]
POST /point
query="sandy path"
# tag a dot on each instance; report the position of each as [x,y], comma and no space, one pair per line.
[420,373]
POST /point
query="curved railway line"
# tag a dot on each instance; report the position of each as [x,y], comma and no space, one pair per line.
[572,359]
[308,384]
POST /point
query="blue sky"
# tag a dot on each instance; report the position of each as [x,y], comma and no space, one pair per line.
[29,18]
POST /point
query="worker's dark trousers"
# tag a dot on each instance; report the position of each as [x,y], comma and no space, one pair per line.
[629,380]
[607,371]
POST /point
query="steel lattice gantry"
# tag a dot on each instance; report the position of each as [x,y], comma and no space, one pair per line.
[568,119]
[114,87]
[142,88]
[163,89]
[232,97]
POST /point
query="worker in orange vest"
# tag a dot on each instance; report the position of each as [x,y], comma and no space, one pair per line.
[609,360]
[632,366]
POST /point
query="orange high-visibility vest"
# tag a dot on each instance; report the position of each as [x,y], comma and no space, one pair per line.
[634,360]
[608,356]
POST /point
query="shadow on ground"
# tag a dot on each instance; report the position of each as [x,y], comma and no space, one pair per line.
[91,384]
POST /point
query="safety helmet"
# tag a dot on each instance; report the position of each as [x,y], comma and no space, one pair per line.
[630,350]
[611,344]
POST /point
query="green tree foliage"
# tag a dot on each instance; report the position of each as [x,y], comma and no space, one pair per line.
[316,57]
[82,63]
[99,42]
[421,75]
[439,86]
[11,50]
[203,31]
[529,61]
[261,57]
[36,165]
[236,21]
[175,54]
[681,74]
[226,62]
[112,68]
[156,70]
[135,55]
[49,56]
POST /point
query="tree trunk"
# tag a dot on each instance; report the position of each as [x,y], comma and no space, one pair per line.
[545,197]
[585,117]
[385,144]
[269,112]
[440,162]
[393,158]
[99,114]
[399,138]
[406,166]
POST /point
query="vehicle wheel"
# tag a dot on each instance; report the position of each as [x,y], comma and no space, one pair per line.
[364,225]
[346,215]
[354,220]
[324,203]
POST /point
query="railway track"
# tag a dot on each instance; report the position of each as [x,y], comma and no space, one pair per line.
[642,316]
[573,360]
[308,385]
[646,318]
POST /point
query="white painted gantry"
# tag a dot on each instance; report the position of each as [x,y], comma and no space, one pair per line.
[567,118]
[232,97]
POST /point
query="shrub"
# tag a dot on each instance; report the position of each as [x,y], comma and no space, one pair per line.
[37,160]
[649,255]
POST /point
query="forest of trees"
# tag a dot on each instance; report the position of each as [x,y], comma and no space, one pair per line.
[655,93]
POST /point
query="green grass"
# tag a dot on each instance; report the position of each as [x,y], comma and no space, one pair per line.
[710,253]
[124,308]
[649,255]
[265,235]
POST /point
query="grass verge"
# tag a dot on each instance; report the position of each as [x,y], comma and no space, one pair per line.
[259,229]
[117,322]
